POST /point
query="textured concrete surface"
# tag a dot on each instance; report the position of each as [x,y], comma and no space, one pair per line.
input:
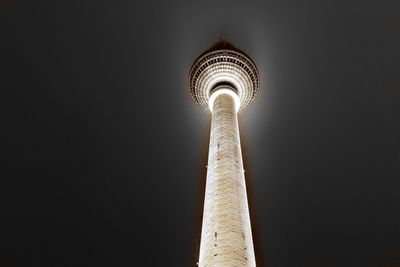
[226,239]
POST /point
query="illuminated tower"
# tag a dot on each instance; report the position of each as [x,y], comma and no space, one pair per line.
[223,81]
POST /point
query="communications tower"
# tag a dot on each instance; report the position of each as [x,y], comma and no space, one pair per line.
[224,81]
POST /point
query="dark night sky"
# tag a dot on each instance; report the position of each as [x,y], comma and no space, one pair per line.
[105,153]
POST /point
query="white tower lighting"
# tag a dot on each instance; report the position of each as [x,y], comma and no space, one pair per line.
[223,81]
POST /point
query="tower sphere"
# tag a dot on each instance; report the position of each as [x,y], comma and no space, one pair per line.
[223,64]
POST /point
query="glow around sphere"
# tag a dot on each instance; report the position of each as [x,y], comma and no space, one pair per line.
[224,63]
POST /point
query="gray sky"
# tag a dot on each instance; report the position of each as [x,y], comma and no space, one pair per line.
[106,152]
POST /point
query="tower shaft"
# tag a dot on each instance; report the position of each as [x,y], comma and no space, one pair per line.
[226,238]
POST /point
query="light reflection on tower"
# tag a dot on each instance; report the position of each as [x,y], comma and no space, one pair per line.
[223,81]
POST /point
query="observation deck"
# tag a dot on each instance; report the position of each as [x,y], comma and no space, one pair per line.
[224,63]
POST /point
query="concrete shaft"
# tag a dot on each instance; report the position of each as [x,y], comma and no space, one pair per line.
[226,239]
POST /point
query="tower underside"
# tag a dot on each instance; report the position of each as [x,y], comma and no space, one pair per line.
[224,81]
